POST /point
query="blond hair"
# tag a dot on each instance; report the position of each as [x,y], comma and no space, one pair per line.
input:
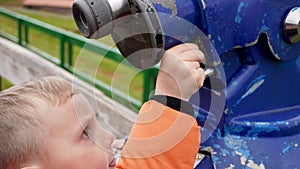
[21,128]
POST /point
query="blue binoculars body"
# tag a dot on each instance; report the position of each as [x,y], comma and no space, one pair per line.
[249,109]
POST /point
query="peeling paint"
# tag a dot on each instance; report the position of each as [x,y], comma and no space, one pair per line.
[249,163]
[272,49]
[286,149]
[253,87]
[230,167]
[170,4]
[262,127]
[243,160]
[247,44]
[238,18]
[252,165]
[203,4]
[255,41]
[289,147]
[212,152]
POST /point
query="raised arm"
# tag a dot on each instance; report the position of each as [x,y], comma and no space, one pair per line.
[166,135]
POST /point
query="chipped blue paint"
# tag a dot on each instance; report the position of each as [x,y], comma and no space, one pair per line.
[286,149]
[264,28]
[260,127]
[238,18]
[251,17]
[237,82]
[253,86]
[289,147]
[242,4]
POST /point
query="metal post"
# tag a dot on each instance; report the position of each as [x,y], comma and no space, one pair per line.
[0,83]
[70,54]
[62,51]
[149,83]
[20,31]
[26,34]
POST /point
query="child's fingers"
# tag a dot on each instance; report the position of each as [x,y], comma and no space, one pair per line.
[200,77]
[183,47]
[193,55]
[192,65]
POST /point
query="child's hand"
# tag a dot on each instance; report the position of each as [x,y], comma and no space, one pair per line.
[180,74]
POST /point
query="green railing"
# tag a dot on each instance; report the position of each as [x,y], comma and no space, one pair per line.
[0,83]
[66,43]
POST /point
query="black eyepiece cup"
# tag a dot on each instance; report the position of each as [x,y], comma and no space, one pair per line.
[90,16]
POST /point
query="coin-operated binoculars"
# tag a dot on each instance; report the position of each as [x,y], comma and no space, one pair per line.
[249,107]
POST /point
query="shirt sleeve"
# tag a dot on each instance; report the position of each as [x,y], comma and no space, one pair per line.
[161,138]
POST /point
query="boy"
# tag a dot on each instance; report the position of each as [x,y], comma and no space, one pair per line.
[46,124]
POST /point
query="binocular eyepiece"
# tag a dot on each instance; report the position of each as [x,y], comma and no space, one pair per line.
[94,17]
[133,25]
[140,32]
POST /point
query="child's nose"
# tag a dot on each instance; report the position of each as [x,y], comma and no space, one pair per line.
[109,138]
[103,138]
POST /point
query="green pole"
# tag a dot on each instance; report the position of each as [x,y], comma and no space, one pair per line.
[26,34]
[20,31]
[70,54]
[62,51]
[149,83]
[0,83]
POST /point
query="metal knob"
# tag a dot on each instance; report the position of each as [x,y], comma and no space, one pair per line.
[291,27]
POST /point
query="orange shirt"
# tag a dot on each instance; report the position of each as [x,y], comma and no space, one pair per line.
[161,138]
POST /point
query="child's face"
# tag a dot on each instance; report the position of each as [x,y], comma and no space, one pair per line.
[76,141]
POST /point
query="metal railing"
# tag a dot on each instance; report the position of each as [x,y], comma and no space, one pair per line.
[66,43]
[0,83]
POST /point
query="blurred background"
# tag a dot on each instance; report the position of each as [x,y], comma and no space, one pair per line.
[33,31]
